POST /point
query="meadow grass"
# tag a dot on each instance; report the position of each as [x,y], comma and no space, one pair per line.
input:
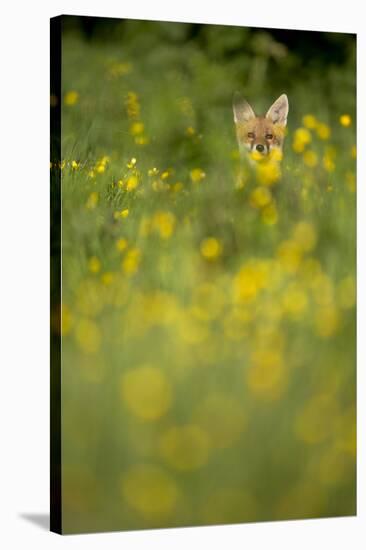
[208,306]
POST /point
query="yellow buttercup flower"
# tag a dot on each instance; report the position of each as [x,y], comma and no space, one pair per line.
[71,98]
[94,264]
[197,175]
[309,121]
[345,120]
[211,248]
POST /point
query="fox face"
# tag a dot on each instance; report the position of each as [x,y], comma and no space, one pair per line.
[263,135]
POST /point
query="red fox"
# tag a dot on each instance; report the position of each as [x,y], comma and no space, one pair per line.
[262,136]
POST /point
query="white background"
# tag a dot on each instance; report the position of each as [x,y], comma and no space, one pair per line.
[24,272]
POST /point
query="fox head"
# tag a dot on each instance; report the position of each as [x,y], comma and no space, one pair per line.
[262,135]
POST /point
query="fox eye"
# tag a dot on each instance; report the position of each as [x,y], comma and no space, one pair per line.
[269,136]
[250,135]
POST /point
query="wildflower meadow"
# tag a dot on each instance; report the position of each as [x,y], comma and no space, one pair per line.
[208,303]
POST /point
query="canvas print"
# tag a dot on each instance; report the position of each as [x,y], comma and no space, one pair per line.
[203,274]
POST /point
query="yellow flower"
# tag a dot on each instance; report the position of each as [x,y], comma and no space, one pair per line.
[75,165]
[94,264]
[137,128]
[289,253]
[131,261]
[107,278]
[328,163]
[260,196]
[124,213]
[345,120]
[132,182]
[153,171]
[146,392]
[71,98]
[197,175]
[310,158]
[164,223]
[211,248]
[252,277]
[190,131]
[309,121]
[268,172]
[302,137]
[323,131]
[121,244]
[132,163]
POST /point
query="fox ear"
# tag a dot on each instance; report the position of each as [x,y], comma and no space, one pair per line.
[279,110]
[242,110]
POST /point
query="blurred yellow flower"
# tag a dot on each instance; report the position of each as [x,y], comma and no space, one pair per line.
[94,264]
[252,277]
[121,244]
[146,392]
[289,253]
[131,261]
[132,182]
[345,120]
[164,223]
[137,128]
[302,137]
[150,491]
[211,248]
[71,97]
[185,447]
[197,175]
[309,121]
[310,158]
[131,163]
[260,196]
[268,172]
[323,131]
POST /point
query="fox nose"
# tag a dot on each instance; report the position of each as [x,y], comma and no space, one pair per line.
[260,147]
